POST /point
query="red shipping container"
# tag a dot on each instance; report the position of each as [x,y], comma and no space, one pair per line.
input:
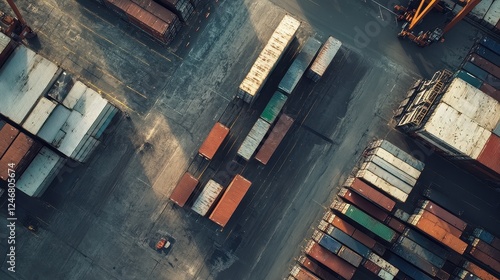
[184,189]
[19,154]
[491,91]
[333,262]
[373,268]
[479,272]
[370,193]
[230,200]
[443,214]
[7,135]
[274,139]
[441,223]
[490,155]
[484,258]
[485,65]
[395,224]
[339,223]
[316,269]
[364,239]
[213,141]
[363,204]
[486,248]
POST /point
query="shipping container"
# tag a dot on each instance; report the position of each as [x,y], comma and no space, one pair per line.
[350,256]
[443,201]
[407,268]
[326,242]
[268,59]
[338,223]
[149,23]
[184,189]
[370,193]
[329,225]
[479,11]
[39,115]
[426,243]
[487,54]
[365,239]
[465,275]
[490,91]
[333,262]
[162,13]
[479,272]
[23,79]
[387,176]
[182,8]
[383,264]
[316,269]
[439,222]
[6,48]
[380,183]
[274,107]
[371,266]
[414,259]
[395,161]
[485,65]
[486,248]
[484,235]
[363,204]
[272,142]
[491,153]
[301,274]
[397,152]
[421,251]
[469,78]
[402,215]
[230,200]
[40,172]
[19,154]
[392,169]
[207,197]
[385,275]
[485,259]
[324,58]
[118,6]
[395,224]
[7,135]
[443,214]
[299,66]
[490,43]
[213,141]
[253,139]
[347,240]
[438,233]
[492,17]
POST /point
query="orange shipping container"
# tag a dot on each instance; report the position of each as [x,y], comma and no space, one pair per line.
[440,235]
[230,200]
[184,189]
[213,141]
[19,154]
[370,193]
[339,223]
[333,262]
[440,222]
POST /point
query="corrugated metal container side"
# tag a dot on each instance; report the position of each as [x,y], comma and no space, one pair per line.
[83,150]
[472,102]
[469,78]
[362,204]
[479,272]
[426,243]
[475,70]
[438,221]
[455,129]
[101,119]
[421,251]
[316,269]
[349,241]
[268,59]
[485,65]
[207,197]
[6,48]
[230,200]
[364,239]
[400,174]
[387,176]
[299,66]
[7,135]
[385,275]
[324,58]
[53,124]
[383,264]
[479,11]
[274,139]
[395,161]
[490,155]
[372,267]
[330,260]
[370,193]
[378,182]
[39,115]
[371,224]
[150,24]
[162,13]
[23,79]
[397,152]
[40,172]
[274,107]
[492,17]
[20,153]
[184,189]
[350,256]
[488,54]
[98,133]
[253,139]
[407,268]
[486,248]
[339,223]
[485,259]
[326,242]
[213,141]
[395,224]
[443,214]
[301,274]
[439,234]
[487,42]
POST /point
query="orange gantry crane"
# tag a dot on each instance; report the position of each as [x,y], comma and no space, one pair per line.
[415,12]
[16,28]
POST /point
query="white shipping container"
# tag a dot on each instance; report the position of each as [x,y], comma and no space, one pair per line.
[456,130]
[82,154]
[101,119]
[493,14]
[481,8]
[382,185]
[397,152]
[253,139]
[207,197]
[383,264]
[23,79]
[386,176]
[385,275]
[268,58]
[40,172]
[39,115]
[324,58]
[400,174]
[408,169]
[54,123]
[74,95]
[472,102]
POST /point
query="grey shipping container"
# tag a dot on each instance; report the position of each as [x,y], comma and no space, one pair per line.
[387,176]
[350,256]
[408,179]
[421,252]
[324,58]
[414,259]
[426,243]
[350,242]
[253,139]
[399,153]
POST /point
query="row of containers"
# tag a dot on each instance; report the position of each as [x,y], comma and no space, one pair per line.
[486,12]
[364,230]
[46,117]
[160,19]
[458,114]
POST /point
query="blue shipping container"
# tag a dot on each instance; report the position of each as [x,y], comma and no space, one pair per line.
[330,244]
[484,235]
[407,268]
[490,44]
[488,55]
[350,242]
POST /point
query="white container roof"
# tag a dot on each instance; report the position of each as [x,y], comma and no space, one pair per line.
[39,115]
[4,42]
[54,123]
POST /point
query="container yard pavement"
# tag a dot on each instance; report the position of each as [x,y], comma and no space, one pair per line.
[98,221]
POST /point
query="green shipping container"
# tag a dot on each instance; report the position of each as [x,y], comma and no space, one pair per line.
[473,81]
[370,223]
[274,107]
